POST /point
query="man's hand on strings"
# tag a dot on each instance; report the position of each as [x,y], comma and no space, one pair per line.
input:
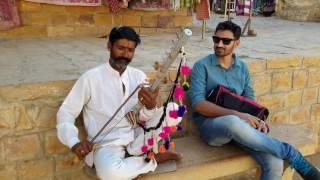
[148,97]
[81,149]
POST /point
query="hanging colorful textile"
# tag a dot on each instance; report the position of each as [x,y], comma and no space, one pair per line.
[70,2]
[9,17]
[116,5]
[243,7]
[203,10]
[175,4]
[151,5]
[186,3]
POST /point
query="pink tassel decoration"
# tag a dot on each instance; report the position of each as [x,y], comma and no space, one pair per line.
[174,128]
[173,114]
[185,70]
[144,149]
[163,135]
[167,129]
[150,142]
[141,122]
[178,93]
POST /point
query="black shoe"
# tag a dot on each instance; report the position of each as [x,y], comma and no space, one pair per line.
[306,170]
[313,174]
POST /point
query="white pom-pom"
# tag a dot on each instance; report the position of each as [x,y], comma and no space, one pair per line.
[170,120]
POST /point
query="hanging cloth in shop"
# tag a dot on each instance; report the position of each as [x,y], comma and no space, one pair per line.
[70,2]
[203,10]
[186,3]
[243,7]
[9,17]
[175,4]
[116,5]
[153,5]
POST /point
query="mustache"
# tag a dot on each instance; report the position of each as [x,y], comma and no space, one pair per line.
[122,58]
[218,48]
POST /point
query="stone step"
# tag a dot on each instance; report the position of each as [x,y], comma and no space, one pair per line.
[201,161]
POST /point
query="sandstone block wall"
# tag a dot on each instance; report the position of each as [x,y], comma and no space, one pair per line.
[29,148]
[289,87]
[307,10]
[44,20]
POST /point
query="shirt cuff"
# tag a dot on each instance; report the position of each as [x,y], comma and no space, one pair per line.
[149,112]
[196,100]
[72,142]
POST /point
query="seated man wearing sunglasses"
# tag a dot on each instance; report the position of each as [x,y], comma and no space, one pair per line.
[218,125]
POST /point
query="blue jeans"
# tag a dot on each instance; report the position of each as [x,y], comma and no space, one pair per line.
[268,152]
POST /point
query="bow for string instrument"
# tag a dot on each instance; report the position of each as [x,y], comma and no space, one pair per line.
[182,38]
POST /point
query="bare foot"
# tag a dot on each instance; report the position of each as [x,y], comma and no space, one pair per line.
[166,156]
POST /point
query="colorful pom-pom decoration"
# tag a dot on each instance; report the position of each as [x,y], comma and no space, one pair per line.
[178,93]
[172,118]
[167,144]
[162,149]
[173,114]
[141,122]
[185,70]
[150,141]
[144,149]
[181,110]
[185,86]
[163,135]
[151,155]
[173,128]
[167,129]
[172,145]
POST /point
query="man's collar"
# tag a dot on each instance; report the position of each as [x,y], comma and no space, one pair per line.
[215,61]
[235,62]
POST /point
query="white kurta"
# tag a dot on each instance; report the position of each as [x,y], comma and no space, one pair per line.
[99,92]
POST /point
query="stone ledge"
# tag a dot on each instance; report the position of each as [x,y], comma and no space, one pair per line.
[203,162]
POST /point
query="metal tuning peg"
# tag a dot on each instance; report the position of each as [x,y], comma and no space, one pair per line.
[168,51]
[188,32]
[181,50]
[178,35]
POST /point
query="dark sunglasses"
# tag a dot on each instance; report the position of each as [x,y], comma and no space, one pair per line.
[225,41]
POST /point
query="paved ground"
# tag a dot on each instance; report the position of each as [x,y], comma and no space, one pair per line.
[45,59]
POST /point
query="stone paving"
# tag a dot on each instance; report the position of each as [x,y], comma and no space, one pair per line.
[47,59]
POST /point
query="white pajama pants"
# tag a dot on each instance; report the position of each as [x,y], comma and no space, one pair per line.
[111,164]
[110,161]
